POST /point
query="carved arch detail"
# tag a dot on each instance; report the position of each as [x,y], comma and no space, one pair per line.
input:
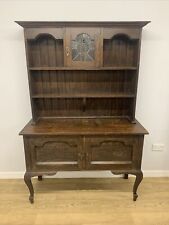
[110,141]
[34,34]
[111,150]
[122,36]
[55,142]
[42,35]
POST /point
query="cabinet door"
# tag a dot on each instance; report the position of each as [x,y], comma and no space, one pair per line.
[54,153]
[112,153]
[82,47]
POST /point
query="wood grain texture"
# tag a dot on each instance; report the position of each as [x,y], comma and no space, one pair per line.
[44,24]
[83,126]
[120,50]
[108,93]
[85,201]
[45,50]
[70,35]
[53,153]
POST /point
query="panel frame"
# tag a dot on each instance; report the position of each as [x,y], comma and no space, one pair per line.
[136,142]
[31,143]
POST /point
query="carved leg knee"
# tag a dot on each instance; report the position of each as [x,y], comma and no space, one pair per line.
[28,182]
[139,177]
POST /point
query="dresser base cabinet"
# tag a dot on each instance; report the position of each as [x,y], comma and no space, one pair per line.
[48,150]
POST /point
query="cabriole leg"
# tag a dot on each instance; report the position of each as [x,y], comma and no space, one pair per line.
[28,182]
[139,177]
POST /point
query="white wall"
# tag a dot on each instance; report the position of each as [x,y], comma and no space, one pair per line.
[153,92]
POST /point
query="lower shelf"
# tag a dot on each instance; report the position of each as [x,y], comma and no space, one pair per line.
[83,107]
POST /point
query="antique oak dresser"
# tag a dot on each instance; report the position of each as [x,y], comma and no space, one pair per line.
[83,86]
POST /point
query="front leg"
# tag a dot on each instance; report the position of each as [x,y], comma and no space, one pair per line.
[28,182]
[139,177]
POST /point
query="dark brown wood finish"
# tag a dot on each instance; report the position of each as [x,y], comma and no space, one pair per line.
[82,126]
[71,34]
[83,80]
[48,24]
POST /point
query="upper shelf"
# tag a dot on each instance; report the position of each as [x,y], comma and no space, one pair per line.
[83,68]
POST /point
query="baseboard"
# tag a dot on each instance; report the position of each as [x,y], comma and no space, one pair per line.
[156,173]
[85,174]
[11,175]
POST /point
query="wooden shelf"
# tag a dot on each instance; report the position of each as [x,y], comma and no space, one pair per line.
[60,126]
[78,95]
[87,68]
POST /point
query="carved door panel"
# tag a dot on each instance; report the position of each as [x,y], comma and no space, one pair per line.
[82,46]
[56,153]
[108,153]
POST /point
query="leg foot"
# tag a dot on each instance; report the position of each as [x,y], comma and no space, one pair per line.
[31,199]
[135,196]
[125,176]
[139,177]
[28,182]
[39,178]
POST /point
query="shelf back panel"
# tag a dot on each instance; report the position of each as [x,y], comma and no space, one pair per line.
[78,108]
[78,83]
[45,50]
[120,50]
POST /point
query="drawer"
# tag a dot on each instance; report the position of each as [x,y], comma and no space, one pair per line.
[54,153]
[108,153]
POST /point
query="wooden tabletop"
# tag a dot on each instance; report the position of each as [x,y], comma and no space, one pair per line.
[83,127]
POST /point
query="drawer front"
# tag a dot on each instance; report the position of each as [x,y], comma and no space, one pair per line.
[113,153]
[54,153]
